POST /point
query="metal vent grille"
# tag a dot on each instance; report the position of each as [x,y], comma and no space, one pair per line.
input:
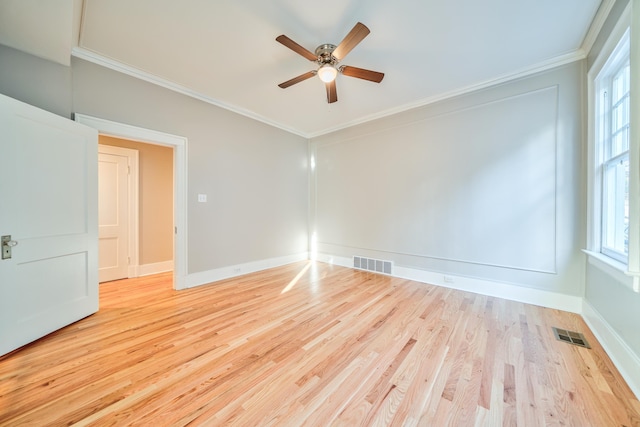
[575,338]
[377,265]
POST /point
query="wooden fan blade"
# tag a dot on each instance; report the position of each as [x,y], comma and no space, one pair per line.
[296,47]
[351,40]
[298,79]
[361,73]
[332,93]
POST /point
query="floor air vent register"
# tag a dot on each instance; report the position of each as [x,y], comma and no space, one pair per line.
[370,264]
[570,337]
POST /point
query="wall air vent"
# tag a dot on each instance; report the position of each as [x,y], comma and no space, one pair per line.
[370,264]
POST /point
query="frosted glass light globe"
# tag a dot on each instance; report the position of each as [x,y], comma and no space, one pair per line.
[327,73]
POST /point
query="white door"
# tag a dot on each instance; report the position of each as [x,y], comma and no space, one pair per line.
[114,169]
[48,204]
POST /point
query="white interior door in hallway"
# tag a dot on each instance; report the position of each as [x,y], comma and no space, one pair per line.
[117,211]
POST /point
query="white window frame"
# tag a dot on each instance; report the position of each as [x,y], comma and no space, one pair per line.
[626,272]
[617,62]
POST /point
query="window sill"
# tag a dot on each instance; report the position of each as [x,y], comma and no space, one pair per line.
[613,268]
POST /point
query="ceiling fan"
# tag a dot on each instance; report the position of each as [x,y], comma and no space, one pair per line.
[327,56]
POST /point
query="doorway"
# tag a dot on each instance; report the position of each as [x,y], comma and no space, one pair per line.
[179,146]
[147,212]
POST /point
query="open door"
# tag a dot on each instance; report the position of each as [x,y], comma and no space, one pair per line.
[48,207]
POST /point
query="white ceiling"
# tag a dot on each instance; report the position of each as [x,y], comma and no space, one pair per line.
[224,52]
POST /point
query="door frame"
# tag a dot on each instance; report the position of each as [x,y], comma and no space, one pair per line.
[179,145]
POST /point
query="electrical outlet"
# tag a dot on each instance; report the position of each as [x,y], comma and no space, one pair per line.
[448,279]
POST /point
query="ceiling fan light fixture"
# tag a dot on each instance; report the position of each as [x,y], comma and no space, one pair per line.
[327,57]
[327,73]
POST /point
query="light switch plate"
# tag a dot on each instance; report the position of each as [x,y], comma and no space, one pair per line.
[202,198]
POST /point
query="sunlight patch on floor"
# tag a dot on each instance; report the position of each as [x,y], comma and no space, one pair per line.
[295,279]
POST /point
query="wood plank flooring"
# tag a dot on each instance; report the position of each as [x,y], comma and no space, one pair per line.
[310,344]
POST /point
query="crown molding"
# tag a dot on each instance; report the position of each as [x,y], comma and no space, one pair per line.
[558,61]
[596,25]
[95,58]
[112,64]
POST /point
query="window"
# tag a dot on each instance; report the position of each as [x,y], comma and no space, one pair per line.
[615,166]
[612,152]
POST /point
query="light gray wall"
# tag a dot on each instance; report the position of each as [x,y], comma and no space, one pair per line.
[36,81]
[616,303]
[486,185]
[255,175]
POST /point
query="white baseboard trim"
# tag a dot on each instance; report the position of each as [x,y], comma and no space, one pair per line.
[209,276]
[154,268]
[508,291]
[625,360]
[522,293]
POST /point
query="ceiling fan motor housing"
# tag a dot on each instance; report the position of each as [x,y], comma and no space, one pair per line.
[324,54]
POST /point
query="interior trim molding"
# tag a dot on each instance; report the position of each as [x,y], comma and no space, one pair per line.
[625,360]
[596,24]
[112,64]
[227,272]
[179,145]
[443,258]
[512,292]
[550,64]
[154,268]
[609,266]
[93,57]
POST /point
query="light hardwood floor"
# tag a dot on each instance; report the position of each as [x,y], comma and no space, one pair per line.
[312,344]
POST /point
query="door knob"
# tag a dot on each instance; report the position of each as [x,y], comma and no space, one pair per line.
[7,244]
